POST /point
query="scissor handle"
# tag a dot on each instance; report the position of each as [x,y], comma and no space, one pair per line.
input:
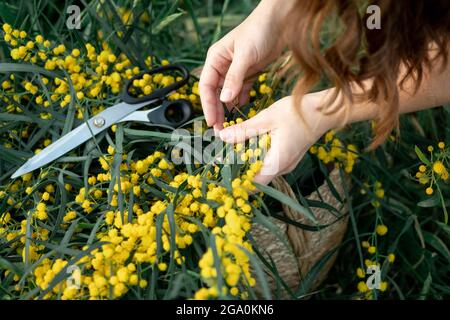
[172,113]
[158,94]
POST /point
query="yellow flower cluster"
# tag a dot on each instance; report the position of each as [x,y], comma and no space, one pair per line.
[435,169]
[16,232]
[251,151]
[236,212]
[262,87]
[364,289]
[334,150]
[46,272]
[377,193]
[369,245]
[376,190]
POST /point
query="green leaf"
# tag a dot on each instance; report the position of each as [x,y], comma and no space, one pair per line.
[226,174]
[308,279]
[147,134]
[394,284]
[299,225]
[293,203]
[165,22]
[171,218]
[435,242]
[421,156]
[444,227]
[217,262]
[194,19]
[22,67]
[14,117]
[12,156]
[262,279]
[218,31]
[265,222]
[8,12]
[430,202]
[271,268]
[5,264]
[426,287]
[303,170]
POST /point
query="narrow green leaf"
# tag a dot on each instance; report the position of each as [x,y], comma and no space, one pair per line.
[226,175]
[430,202]
[22,67]
[165,22]
[277,195]
[439,245]
[421,156]
[5,264]
[444,227]
[426,287]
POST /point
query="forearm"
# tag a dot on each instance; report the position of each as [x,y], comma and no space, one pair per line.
[433,91]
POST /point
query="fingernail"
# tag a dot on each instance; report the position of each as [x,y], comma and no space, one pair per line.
[225,95]
[209,121]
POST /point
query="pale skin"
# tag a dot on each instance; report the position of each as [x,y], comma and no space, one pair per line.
[249,48]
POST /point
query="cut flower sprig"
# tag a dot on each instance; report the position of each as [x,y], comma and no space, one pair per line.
[433,171]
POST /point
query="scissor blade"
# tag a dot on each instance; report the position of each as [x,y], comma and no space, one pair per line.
[78,136]
[140,116]
[61,146]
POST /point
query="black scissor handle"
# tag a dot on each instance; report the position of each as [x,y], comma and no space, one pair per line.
[158,94]
[172,113]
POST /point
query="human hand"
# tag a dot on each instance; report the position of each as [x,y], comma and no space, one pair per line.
[243,52]
[293,129]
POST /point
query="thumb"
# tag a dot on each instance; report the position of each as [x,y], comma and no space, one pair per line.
[252,127]
[234,79]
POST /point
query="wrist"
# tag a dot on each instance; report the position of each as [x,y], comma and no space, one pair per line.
[275,10]
[337,113]
[311,111]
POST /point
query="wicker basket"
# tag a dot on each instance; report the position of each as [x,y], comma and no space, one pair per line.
[305,248]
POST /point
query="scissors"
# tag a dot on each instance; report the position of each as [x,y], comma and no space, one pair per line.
[171,113]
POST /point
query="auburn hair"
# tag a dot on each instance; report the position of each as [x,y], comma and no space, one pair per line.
[356,53]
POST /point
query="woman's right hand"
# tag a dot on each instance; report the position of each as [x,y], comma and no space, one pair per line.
[243,52]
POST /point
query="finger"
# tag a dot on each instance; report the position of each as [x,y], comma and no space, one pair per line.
[217,129]
[208,86]
[209,96]
[234,79]
[220,118]
[252,127]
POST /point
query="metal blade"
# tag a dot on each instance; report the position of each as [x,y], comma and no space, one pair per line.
[141,116]
[79,135]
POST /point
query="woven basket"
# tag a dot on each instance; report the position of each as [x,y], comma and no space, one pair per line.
[305,248]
